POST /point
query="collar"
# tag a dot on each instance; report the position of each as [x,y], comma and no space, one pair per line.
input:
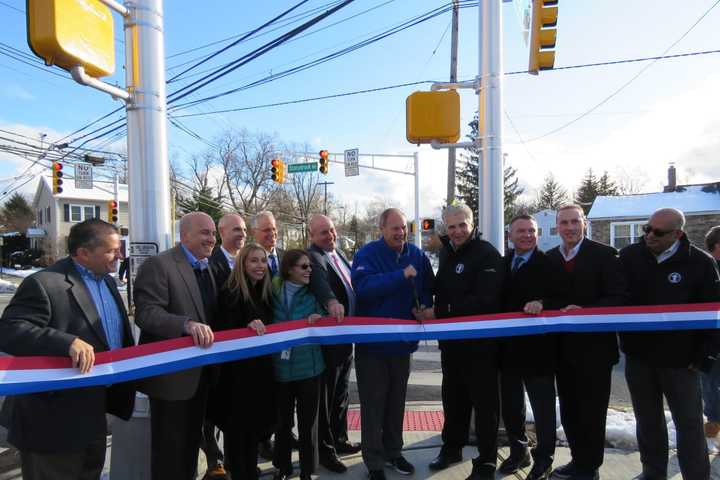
[394,252]
[86,272]
[194,262]
[669,252]
[272,252]
[525,256]
[573,251]
[230,257]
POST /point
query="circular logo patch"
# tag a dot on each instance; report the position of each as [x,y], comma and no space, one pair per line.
[674,277]
[459,268]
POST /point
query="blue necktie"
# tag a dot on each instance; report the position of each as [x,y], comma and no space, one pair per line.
[273,264]
[517,263]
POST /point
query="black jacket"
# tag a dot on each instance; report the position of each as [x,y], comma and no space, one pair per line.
[325,284]
[596,281]
[220,267]
[689,276]
[529,354]
[48,312]
[469,282]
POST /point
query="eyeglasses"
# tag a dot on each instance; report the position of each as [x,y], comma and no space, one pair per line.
[656,231]
[303,266]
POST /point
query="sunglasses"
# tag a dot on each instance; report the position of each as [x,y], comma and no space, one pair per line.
[303,266]
[656,231]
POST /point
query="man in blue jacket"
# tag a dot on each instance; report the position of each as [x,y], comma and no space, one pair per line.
[391,279]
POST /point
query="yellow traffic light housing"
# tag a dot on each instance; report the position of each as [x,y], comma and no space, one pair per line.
[432,116]
[67,33]
[324,164]
[57,175]
[543,35]
[277,171]
[112,207]
[428,224]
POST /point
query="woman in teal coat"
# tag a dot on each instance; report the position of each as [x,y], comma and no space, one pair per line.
[297,369]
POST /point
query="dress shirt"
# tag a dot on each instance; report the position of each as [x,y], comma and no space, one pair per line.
[669,252]
[229,256]
[520,260]
[343,272]
[194,262]
[273,262]
[573,251]
[105,304]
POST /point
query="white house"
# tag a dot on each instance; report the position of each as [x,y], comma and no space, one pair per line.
[547,232]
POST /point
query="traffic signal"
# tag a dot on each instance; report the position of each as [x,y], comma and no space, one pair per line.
[432,116]
[112,207]
[277,171]
[57,175]
[543,35]
[324,161]
[428,224]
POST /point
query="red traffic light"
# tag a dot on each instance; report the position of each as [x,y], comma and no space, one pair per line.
[428,224]
[57,166]
[275,163]
[324,154]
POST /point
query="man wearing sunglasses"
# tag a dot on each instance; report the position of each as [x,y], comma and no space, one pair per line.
[665,268]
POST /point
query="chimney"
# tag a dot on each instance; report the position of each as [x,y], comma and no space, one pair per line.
[672,179]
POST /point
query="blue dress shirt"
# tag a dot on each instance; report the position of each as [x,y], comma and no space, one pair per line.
[105,304]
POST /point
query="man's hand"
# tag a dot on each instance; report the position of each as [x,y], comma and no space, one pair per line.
[336,309]
[257,326]
[423,313]
[533,308]
[313,318]
[202,334]
[82,355]
[410,272]
[571,307]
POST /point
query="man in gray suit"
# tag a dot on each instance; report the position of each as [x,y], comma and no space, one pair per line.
[175,295]
[71,308]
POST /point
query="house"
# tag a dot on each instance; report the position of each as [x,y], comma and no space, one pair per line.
[547,230]
[57,213]
[618,220]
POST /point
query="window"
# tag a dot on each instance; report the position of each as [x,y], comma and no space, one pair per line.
[47,215]
[623,234]
[553,231]
[39,216]
[539,232]
[79,213]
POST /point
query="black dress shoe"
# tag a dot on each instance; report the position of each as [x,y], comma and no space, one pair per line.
[444,460]
[347,448]
[515,462]
[539,472]
[376,475]
[265,450]
[333,464]
[564,472]
[281,476]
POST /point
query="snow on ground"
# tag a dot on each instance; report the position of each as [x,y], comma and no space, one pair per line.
[7,287]
[19,273]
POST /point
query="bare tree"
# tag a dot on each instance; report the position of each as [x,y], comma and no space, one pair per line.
[629,183]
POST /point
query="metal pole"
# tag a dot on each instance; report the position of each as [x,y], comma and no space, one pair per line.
[453,78]
[490,195]
[116,195]
[418,240]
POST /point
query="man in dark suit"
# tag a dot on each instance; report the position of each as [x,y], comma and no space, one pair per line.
[528,360]
[330,283]
[264,230]
[583,273]
[71,308]
[175,295]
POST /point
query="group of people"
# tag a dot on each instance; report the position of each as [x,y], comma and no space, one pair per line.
[198,288]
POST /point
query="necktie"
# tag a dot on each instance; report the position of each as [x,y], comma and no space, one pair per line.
[340,269]
[517,263]
[273,264]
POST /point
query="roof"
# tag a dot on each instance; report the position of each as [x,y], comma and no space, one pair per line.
[101,191]
[694,199]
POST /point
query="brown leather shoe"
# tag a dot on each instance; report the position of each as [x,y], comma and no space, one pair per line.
[216,473]
[712,429]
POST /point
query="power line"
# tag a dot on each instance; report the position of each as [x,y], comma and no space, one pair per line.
[12,7]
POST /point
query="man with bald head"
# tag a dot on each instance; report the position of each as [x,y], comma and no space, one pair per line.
[175,296]
[330,283]
[665,268]
[233,233]
[264,230]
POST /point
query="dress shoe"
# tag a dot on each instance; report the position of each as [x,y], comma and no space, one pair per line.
[265,450]
[565,472]
[482,472]
[376,475]
[539,472]
[216,473]
[594,475]
[282,476]
[401,465]
[444,460]
[333,463]
[305,476]
[347,448]
[515,462]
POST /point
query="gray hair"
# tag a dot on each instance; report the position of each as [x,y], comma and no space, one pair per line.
[259,215]
[678,216]
[458,208]
[386,213]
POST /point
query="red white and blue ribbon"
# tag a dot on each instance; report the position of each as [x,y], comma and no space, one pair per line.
[20,375]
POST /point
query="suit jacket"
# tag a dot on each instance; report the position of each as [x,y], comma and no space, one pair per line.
[326,285]
[48,312]
[528,354]
[596,281]
[220,266]
[166,296]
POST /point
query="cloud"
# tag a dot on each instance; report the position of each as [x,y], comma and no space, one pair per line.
[17,92]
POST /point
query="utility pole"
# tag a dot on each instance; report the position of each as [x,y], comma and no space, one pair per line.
[453,78]
[325,184]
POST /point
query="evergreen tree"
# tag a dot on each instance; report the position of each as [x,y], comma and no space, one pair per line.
[551,194]
[17,214]
[512,191]
[202,200]
[607,186]
[587,191]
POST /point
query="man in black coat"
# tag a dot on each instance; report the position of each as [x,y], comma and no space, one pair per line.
[330,283]
[527,359]
[468,282]
[583,273]
[72,308]
[664,268]
[265,233]
[711,379]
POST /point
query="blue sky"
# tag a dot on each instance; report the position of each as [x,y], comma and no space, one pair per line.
[668,114]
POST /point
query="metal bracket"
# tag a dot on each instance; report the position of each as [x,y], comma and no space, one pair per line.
[79,75]
[439,146]
[119,8]
[472,84]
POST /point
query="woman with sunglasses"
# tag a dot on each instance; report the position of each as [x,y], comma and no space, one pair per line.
[297,369]
[246,397]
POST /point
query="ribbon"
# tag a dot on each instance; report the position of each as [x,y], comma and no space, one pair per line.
[20,375]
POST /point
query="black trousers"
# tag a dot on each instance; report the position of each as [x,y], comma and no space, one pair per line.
[334,401]
[469,384]
[241,449]
[306,394]
[209,444]
[584,393]
[681,388]
[86,464]
[176,428]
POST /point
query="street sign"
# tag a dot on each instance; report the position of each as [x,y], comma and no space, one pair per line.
[83,176]
[352,163]
[302,167]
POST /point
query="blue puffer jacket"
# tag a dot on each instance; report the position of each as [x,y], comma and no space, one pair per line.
[383,291]
[303,361]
